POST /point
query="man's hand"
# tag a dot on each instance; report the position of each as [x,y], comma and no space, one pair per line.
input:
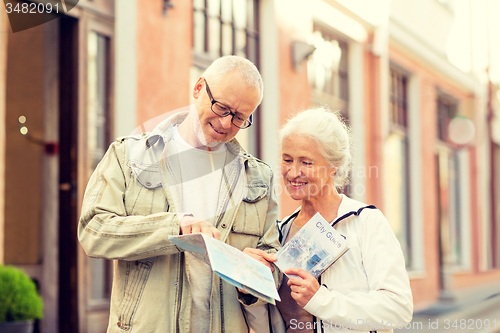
[261,256]
[303,287]
[193,225]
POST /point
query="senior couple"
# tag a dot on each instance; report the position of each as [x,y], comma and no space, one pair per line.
[190,175]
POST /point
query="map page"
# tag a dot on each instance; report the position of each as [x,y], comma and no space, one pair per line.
[315,247]
[231,264]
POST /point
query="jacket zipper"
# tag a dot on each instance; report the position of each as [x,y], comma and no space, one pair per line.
[222,329]
[180,283]
[181,273]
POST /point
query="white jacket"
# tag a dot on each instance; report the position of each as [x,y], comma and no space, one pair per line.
[368,288]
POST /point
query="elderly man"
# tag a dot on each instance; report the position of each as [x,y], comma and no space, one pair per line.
[189,175]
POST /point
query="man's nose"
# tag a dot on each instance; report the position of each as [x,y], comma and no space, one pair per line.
[226,121]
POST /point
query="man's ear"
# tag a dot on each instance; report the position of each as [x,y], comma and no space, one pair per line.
[198,88]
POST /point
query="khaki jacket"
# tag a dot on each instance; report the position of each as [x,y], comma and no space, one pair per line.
[129,211]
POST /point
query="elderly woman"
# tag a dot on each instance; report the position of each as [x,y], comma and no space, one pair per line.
[368,288]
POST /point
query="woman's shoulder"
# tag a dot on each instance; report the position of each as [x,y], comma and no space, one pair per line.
[365,212]
[287,219]
[348,205]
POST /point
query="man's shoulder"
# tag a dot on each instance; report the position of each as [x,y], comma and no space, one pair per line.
[253,161]
[124,145]
[135,137]
[129,141]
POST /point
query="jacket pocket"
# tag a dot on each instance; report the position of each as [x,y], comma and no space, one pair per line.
[136,279]
[148,175]
[251,217]
[250,220]
[255,192]
[140,200]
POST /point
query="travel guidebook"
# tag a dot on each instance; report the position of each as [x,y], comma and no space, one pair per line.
[231,264]
[313,248]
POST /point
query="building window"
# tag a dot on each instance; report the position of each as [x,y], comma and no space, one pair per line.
[226,27]
[446,110]
[98,134]
[396,167]
[449,183]
[492,232]
[327,70]
[495,234]
[328,77]
[398,114]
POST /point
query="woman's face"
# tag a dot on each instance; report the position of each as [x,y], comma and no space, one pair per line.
[306,172]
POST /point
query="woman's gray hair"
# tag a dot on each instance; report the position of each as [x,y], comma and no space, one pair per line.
[220,67]
[328,129]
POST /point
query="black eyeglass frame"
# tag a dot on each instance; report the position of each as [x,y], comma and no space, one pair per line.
[246,124]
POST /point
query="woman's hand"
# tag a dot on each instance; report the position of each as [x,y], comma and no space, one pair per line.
[303,287]
[261,256]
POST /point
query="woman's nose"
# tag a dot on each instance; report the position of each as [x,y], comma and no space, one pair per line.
[294,172]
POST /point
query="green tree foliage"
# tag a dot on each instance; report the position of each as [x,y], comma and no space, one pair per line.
[19,299]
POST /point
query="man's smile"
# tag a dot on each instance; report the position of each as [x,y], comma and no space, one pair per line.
[216,130]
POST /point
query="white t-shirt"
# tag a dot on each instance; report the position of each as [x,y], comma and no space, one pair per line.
[201,175]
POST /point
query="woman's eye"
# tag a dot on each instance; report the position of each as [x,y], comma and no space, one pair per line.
[307,163]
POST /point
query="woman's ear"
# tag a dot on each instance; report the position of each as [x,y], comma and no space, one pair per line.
[333,170]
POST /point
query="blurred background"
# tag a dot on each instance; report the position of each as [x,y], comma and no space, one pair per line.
[418,81]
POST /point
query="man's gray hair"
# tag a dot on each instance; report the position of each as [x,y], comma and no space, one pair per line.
[328,130]
[220,67]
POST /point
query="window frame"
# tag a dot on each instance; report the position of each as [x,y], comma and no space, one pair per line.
[104,29]
[495,202]
[320,97]
[250,31]
[398,126]
[448,107]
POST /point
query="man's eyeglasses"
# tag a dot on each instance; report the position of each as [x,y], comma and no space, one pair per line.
[223,111]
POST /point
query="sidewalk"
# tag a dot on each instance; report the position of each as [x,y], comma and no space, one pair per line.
[479,312]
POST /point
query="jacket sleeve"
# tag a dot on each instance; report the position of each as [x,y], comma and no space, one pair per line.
[105,230]
[389,299]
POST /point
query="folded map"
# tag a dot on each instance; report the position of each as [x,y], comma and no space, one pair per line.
[231,264]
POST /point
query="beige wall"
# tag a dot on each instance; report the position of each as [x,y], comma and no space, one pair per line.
[294,90]
[164,46]
[23,158]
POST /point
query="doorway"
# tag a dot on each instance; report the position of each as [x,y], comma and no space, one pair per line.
[68,134]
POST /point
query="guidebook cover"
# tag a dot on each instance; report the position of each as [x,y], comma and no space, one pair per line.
[231,264]
[313,248]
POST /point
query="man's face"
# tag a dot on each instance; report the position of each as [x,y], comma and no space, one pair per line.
[233,92]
